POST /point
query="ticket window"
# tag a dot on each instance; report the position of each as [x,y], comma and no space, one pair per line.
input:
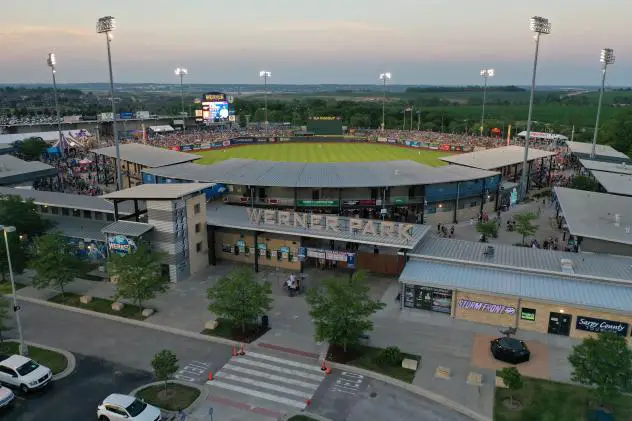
[560,324]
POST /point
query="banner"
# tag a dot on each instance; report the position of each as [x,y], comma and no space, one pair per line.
[382,139]
[175,148]
[226,143]
[186,148]
[392,140]
[444,147]
[433,146]
[243,141]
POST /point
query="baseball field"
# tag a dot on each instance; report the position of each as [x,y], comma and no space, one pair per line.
[319,152]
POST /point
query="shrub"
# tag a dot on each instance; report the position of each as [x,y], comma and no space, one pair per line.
[390,356]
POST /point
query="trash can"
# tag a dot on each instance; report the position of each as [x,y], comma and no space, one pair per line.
[364,340]
[265,322]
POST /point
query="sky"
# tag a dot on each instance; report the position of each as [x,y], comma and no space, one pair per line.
[436,42]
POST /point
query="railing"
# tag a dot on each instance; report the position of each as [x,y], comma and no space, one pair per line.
[328,202]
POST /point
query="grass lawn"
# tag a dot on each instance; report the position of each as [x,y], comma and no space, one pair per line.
[546,400]
[225,330]
[301,418]
[5,287]
[176,397]
[329,152]
[100,305]
[51,359]
[365,357]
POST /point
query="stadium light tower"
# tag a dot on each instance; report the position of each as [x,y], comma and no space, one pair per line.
[52,63]
[607,57]
[106,25]
[485,74]
[265,75]
[181,72]
[384,76]
[541,26]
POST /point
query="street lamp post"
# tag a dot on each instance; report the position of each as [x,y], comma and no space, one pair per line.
[485,73]
[265,75]
[106,25]
[384,76]
[23,350]
[182,72]
[607,57]
[540,26]
[52,62]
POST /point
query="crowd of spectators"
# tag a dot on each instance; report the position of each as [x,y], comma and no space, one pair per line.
[28,120]
[441,138]
[77,174]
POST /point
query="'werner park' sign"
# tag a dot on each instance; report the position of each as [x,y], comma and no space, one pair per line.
[331,223]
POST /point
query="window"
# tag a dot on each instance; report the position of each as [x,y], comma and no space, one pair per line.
[65,212]
[76,213]
[116,410]
[198,247]
[7,370]
[196,208]
[27,368]
[198,227]
[54,210]
[44,209]
[136,408]
[110,217]
[87,214]
[527,314]
[98,216]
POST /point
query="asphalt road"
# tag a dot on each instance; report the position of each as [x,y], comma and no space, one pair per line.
[119,343]
[75,398]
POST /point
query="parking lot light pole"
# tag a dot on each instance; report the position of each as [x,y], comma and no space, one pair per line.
[52,63]
[23,350]
[607,58]
[265,75]
[384,76]
[485,74]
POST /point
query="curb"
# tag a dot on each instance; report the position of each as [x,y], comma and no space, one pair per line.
[289,415]
[448,403]
[196,402]
[132,322]
[70,358]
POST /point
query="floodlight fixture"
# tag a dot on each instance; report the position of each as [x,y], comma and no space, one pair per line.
[51,61]
[181,71]
[265,74]
[487,73]
[385,76]
[540,25]
[607,56]
[106,24]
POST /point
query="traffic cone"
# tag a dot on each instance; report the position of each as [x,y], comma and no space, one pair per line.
[242,350]
[308,402]
[328,370]
[210,376]
[234,350]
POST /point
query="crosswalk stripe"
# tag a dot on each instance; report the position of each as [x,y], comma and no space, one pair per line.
[264,385]
[257,394]
[283,370]
[268,376]
[304,366]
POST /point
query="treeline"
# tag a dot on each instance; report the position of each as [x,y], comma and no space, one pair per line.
[469,88]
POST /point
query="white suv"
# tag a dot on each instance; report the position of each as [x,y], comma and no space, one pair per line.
[117,407]
[23,373]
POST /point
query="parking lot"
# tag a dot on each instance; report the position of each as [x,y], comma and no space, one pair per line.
[76,397]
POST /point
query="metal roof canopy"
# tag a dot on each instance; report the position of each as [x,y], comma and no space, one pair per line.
[585,148]
[594,215]
[490,159]
[86,229]
[518,284]
[619,168]
[614,183]
[157,191]
[251,172]
[147,156]
[526,259]
[127,228]
[236,217]
[63,200]
[14,170]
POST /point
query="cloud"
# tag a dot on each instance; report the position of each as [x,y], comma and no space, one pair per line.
[19,32]
[337,26]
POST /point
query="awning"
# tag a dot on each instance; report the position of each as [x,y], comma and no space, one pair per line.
[216,191]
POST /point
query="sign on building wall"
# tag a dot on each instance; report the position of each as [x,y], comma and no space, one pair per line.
[486,307]
[121,244]
[590,324]
[330,223]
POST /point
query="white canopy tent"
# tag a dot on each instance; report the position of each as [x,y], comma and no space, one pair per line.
[549,137]
[161,129]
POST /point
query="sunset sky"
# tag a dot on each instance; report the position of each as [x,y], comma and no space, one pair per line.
[325,41]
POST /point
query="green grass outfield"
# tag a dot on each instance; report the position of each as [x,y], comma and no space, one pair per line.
[319,152]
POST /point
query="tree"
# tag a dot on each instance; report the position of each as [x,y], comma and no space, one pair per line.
[524,225]
[23,216]
[18,255]
[604,362]
[488,229]
[140,274]
[581,182]
[239,298]
[165,365]
[512,379]
[32,148]
[4,315]
[341,310]
[55,262]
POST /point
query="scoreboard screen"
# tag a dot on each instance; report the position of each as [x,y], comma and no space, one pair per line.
[325,125]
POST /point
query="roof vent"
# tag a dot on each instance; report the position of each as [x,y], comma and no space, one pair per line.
[567,266]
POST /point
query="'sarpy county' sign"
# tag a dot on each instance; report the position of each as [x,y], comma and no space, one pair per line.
[318,222]
[590,324]
[486,307]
